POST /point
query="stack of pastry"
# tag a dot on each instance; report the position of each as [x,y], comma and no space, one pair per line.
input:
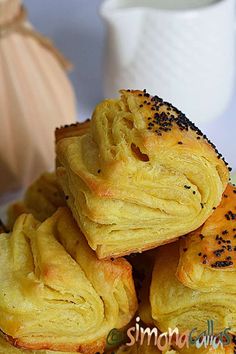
[138,176]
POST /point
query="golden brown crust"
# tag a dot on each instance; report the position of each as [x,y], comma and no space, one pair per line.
[68,131]
[208,255]
[8,348]
[96,347]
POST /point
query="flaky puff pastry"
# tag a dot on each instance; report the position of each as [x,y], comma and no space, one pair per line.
[208,255]
[7,348]
[142,176]
[151,348]
[175,305]
[43,197]
[139,349]
[54,292]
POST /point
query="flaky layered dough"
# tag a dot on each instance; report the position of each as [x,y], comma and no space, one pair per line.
[141,176]
[209,350]
[152,349]
[208,255]
[43,197]
[139,349]
[175,305]
[55,294]
[7,348]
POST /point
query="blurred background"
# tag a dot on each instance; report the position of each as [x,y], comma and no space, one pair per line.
[183,51]
[79,32]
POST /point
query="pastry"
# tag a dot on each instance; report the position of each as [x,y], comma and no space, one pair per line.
[55,294]
[175,305]
[208,255]
[152,349]
[41,199]
[76,129]
[141,176]
[139,349]
[7,348]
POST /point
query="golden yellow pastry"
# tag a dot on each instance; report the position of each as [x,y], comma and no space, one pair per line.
[149,347]
[152,349]
[209,350]
[208,255]
[55,294]
[139,349]
[41,199]
[141,176]
[175,305]
[76,129]
[7,348]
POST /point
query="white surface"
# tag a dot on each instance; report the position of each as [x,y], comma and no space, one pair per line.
[78,31]
[184,55]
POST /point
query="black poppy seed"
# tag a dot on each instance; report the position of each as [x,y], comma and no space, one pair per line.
[204,262]
[199,254]
[202,205]
[217,253]
[221,264]
[225,196]
[194,192]
[99,171]
[141,105]
[225,232]
[67,197]
[185,249]
[171,116]
[187,187]
[201,236]
[180,142]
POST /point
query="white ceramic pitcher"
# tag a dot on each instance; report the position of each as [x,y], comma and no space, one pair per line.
[181,50]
